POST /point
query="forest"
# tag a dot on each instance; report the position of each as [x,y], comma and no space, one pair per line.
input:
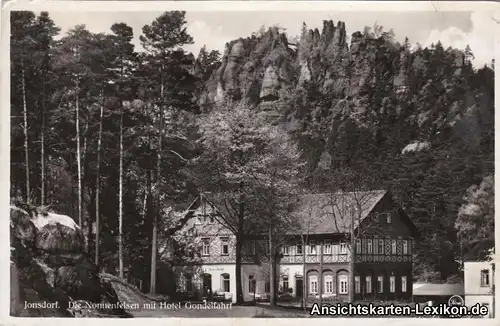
[120,139]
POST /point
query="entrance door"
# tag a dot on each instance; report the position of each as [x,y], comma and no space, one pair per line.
[299,286]
[207,285]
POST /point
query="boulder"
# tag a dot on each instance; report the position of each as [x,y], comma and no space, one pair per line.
[49,264]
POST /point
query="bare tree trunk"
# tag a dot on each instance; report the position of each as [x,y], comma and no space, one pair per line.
[154,249]
[25,129]
[150,213]
[239,240]
[239,287]
[42,154]
[352,259]
[321,274]
[84,174]
[120,200]
[272,276]
[98,187]
[144,203]
[78,155]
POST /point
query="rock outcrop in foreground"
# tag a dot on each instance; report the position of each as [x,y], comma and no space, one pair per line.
[49,265]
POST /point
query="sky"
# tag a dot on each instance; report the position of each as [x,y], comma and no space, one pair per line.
[215,28]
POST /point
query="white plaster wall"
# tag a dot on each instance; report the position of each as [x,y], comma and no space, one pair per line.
[471,300]
[216,271]
[472,278]
[290,270]
[474,292]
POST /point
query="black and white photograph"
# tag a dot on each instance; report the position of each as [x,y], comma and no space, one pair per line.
[237,163]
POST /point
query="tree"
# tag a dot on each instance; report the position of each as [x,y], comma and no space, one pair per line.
[72,64]
[46,30]
[22,41]
[32,86]
[348,204]
[277,178]
[162,40]
[122,69]
[476,218]
[206,63]
[303,223]
[237,149]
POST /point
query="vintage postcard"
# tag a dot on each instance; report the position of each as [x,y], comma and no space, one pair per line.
[231,160]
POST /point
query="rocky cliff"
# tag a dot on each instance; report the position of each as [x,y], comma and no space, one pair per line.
[265,68]
[49,265]
[324,83]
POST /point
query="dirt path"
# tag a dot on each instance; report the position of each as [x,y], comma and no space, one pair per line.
[233,312]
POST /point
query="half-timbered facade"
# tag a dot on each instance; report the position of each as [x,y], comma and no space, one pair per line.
[317,252]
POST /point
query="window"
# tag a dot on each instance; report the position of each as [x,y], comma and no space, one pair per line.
[392,284]
[485,278]
[328,284]
[369,246]
[205,247]
[358,246]
[182,282]
[343,248]
[285,284]
[405,247]
[381,246]
[368,281]
[313,284]
[251,284]
[299,249]
[327,247]
[389,218]
[343,284]
[286,250]
[312,248]
[380,284]
[393,247]
[357,284]
[199,219]
[225,282]
[403,284]
[225,246]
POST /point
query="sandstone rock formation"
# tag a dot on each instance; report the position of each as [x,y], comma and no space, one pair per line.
[49,264]
[317,86]
[268,68]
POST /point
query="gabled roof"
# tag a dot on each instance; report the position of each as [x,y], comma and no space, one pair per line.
[317,213]
[331,213]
